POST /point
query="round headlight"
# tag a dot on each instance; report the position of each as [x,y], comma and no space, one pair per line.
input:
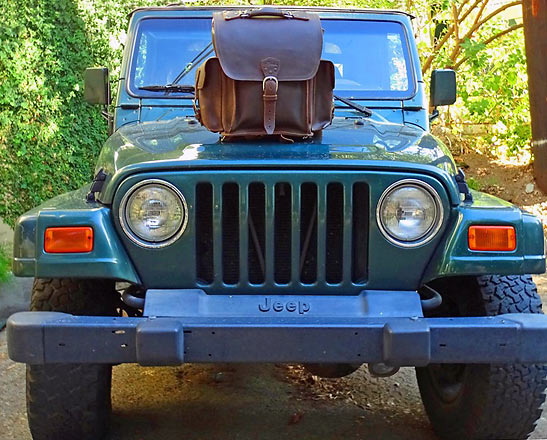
[153,213]
[409,213]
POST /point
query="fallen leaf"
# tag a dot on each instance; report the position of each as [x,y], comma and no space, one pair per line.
[295,418]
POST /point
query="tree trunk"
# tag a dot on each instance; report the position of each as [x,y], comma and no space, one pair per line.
[535,33]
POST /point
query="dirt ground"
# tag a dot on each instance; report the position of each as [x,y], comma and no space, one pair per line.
[273,401]
[512,182]
[227,402]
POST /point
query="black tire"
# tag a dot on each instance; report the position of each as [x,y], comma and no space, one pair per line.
[485,401]
[77,297]
[70,401]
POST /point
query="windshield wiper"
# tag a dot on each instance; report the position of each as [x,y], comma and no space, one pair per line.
[354,105]
[201,56]
[181,88]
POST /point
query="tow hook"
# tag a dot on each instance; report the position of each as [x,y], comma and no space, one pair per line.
[133,296]
[433,300]
[382,370]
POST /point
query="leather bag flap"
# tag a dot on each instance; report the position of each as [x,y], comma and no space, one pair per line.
[245,42]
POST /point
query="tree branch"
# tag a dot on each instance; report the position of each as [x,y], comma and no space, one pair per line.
[457,47]
[462,4]
[479,14]
[471,9]
[456,22]
[489,40]
[456,30]
[427,63]
[490,16]
[440,43]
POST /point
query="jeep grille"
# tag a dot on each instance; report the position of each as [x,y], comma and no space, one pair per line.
[308,233]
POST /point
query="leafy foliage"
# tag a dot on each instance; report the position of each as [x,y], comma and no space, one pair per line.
[49,137]
[486,49]
[473,183]
[494,89]
[5,265]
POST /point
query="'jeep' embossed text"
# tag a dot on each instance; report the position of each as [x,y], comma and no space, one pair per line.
[278,306]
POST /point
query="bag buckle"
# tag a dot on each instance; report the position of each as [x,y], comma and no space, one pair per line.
[270,78]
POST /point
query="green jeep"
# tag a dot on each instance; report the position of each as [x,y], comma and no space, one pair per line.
[361,244]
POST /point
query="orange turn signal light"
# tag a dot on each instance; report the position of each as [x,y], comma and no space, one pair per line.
[68,239]
[492,238]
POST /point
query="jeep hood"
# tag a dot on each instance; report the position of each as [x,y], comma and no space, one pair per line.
[182,143]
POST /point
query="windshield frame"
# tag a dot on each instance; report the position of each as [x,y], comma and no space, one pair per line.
[354,95]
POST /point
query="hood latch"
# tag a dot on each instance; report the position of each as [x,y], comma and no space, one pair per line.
[462,186]
[96,185]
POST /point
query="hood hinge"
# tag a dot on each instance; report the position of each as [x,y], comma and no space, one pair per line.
[462,186]
[96,185]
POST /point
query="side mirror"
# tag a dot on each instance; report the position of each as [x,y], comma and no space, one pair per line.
[443,87]
[96,86]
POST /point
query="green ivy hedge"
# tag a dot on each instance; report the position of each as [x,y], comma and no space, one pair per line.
[49,137]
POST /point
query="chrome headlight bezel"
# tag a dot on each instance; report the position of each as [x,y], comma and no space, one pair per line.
[431,232]
[122,214]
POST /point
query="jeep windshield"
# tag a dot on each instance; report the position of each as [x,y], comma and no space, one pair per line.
[371,58]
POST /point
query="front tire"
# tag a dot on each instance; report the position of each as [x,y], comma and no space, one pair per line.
[70,401]
[485,401]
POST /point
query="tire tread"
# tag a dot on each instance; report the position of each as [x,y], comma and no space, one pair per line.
[70,401]
[498,401]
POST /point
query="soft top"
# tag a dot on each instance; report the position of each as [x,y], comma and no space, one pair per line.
[317,9]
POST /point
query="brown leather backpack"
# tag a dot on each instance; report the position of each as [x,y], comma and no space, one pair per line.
[268,77]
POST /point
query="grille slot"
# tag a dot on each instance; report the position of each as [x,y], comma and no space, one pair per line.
[335,233]
[204,233]
[257,232]
[230,233]
[360,206]
[308,233]
[281,234]
[282,231]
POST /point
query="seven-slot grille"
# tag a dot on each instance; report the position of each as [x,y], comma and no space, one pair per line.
[281,233]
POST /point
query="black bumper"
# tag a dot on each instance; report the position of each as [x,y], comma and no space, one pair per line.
[46,337]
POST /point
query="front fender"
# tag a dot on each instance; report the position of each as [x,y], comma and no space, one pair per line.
[108,258]
[453,257]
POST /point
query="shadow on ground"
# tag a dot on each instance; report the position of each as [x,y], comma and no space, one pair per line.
[248,402]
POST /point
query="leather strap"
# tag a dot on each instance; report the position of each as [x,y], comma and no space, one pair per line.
[266,12]
[197,110]
[270,69]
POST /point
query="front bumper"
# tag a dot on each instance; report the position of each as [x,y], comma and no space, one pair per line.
[371,327]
